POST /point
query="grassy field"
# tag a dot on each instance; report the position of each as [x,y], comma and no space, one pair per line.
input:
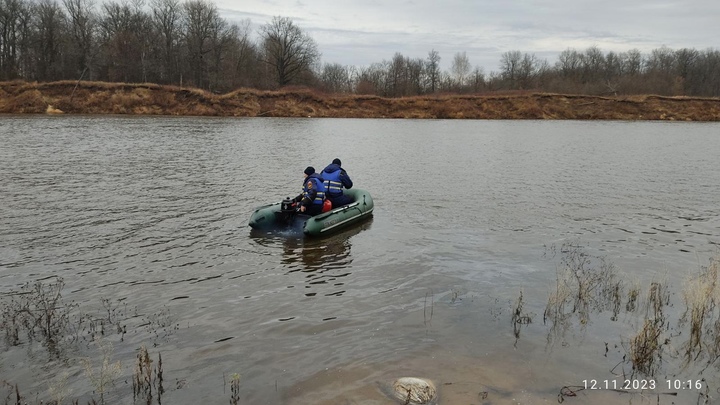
[70,97]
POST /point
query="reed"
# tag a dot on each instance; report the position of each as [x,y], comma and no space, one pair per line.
[632,297]
[234,389]
[519,317]
[11,393]
[646,347]
[701,294]
[428,313]
[147,378]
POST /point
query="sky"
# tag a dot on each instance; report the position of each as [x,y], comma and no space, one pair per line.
[359,33]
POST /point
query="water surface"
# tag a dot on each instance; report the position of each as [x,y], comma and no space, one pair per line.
[151,213]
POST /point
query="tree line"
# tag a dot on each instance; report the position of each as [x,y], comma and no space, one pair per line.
[188,43]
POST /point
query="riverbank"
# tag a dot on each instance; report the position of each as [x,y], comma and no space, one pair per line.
[70,97]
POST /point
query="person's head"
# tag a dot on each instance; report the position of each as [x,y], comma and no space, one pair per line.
[309,170]
[336,161]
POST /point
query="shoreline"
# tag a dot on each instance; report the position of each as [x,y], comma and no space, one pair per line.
[71,97]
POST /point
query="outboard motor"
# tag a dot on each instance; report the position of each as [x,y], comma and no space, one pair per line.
[287,211]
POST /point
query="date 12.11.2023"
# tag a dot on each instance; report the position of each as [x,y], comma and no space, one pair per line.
[642,384]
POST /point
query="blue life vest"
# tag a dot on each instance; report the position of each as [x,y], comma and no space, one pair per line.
[333,185]
[319,188]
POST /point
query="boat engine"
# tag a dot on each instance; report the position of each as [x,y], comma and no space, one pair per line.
[287,211]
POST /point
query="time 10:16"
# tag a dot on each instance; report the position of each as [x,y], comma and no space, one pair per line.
[684,384]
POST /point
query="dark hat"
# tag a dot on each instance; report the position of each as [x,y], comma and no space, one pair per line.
[336,161]
[309,170]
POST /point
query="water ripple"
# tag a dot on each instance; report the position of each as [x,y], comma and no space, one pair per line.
[154,211]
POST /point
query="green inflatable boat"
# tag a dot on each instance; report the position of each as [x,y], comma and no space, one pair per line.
[280,216]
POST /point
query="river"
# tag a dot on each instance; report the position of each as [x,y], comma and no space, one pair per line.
[145,220]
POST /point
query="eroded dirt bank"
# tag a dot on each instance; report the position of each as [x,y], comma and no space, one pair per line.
[69,97]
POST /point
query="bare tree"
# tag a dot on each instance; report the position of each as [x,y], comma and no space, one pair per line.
[287,49]
[661,60]
[83,24]
[531,70]
[477,79]
[708,72]
[593,64]
[660,71]
[685,59]
[126,32]
[371,80]
[201,27]
[460,68]
[632,62]
[244,56]
[397,76]
[416,72]
[50,27]
[510,67]
[14,22]
[335,78]
[433,70]
[166,18]
[568,63]
[27,60]
[405,76]
[613,66]
[494,81]
[223,37]
[612,71]
[171,41]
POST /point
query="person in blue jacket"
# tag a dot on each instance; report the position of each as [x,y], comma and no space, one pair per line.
[313,195]
[336,179]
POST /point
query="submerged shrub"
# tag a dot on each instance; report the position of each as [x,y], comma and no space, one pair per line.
[38,310]
[583,283]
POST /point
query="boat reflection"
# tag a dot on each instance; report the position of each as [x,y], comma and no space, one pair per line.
[322,262]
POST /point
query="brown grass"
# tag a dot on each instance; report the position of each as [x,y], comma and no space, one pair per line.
[702,298]
[71,97]
[646,347]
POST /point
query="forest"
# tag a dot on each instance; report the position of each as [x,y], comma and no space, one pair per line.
[190,44]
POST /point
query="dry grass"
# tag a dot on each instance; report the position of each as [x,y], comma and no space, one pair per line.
[103,376]
[632,298]
[587,284]
[146,98]
[519,317]
[646,347]
[235,389]
[148,378]
[702,296]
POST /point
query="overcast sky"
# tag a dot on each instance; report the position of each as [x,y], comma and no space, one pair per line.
[360,33]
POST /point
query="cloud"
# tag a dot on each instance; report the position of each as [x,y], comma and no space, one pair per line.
[362,33]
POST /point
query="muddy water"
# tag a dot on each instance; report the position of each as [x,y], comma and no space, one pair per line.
[150,214]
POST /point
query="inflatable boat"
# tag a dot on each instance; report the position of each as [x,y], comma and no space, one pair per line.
[281,215]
